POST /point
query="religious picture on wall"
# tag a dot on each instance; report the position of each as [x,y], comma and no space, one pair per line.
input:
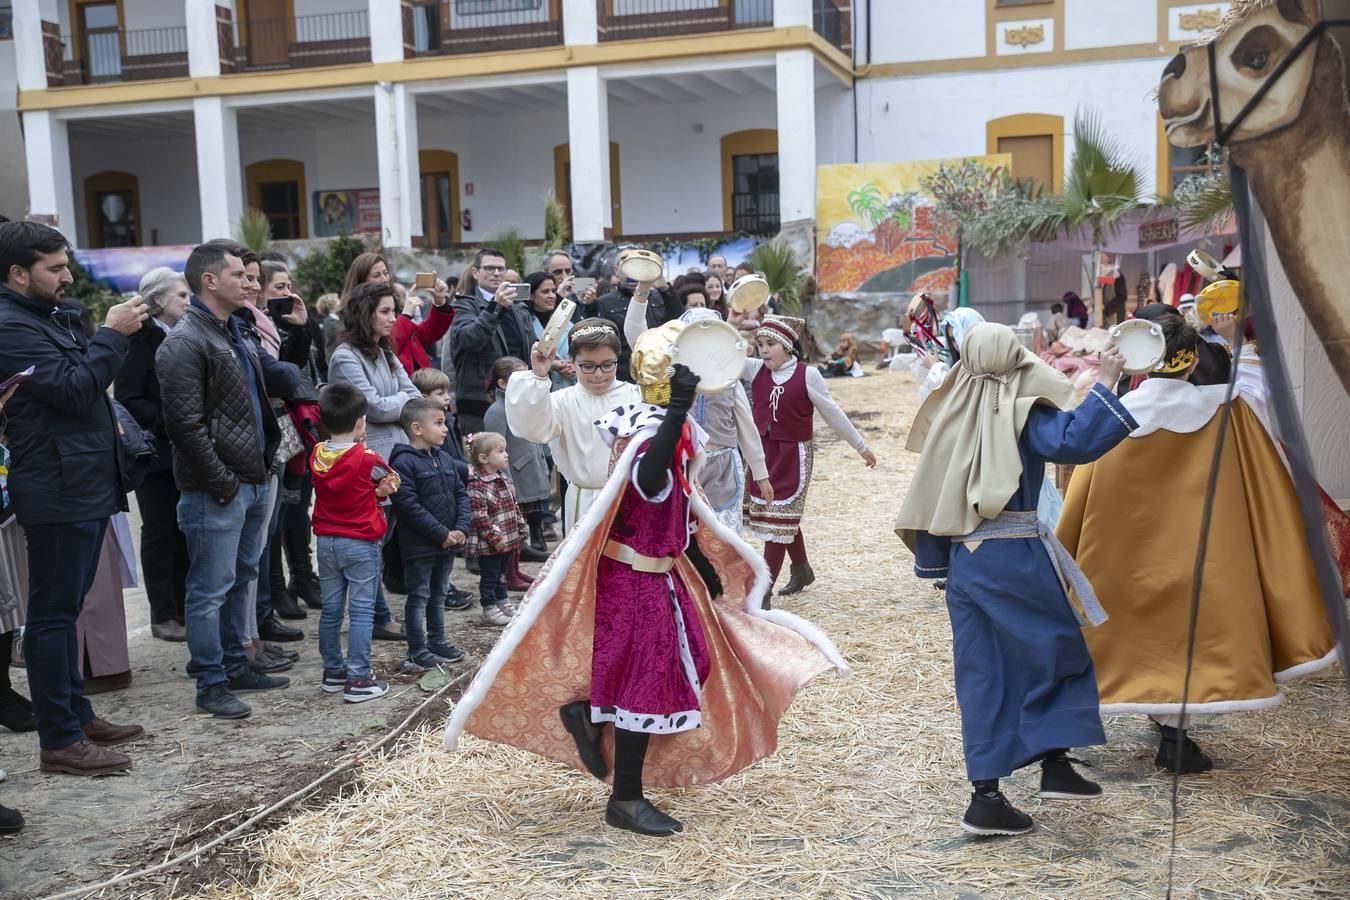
[346,212]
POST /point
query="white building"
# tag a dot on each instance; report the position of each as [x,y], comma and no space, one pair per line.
[649,117]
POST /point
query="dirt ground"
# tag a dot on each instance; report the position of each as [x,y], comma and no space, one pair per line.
[861,798]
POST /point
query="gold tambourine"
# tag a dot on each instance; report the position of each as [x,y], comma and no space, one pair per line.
[1220,297]
[641,265]
[747,293]
[1142,344]
[712,350]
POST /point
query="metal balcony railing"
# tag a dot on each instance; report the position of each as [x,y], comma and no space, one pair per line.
[329,39]
[103,55]
[455,27]
[622,20]
[832,20]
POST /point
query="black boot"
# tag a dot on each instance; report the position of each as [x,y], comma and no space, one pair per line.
[273,629]
[537,542]
[576,719]
[282,601]
[1193,759]
[1059,780]
[11,820]
[990,813]
[14,716]
[530,554]
[801,576]
[303,584]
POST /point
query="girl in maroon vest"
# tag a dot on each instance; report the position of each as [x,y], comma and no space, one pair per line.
[785,396]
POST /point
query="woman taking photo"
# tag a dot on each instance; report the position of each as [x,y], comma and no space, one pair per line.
[543,301]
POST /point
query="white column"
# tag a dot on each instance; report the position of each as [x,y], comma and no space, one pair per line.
[787,13]
[29,54]
[588,138]
[51,191]
[796,135]
[202,40]
[386,30]
[396,152]
[219,180]
[579,22]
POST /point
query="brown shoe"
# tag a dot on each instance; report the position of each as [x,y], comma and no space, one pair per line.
[106,734]
[85,758]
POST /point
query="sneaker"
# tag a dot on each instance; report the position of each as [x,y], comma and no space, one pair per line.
[1193,759]
[219,702]
[457,599]
[508,607]
[1059,780]
[495,615]
[252,682]
[422,662]
[448,652]
[359,690]
[333,682]
[992,814]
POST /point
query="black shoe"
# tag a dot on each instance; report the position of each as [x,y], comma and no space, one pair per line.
[391,632]
[280,652]
[15,696]
[457,599]
[252,682]
[14,717]
[264,663]
[11,820]
[284,605]
[992,814]
[530,554]
[802,577]
[273,629]
[576,719]
[219,702]
[1193,759]
[306,590]
[1059,780]
[643,819]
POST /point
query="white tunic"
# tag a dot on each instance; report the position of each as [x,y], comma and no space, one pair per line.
[565,420]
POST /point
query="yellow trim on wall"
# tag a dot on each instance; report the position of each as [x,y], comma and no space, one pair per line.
[278,170]
[429,161]
[1162,52]
[1030,125]
[562,155]
[109,181]
[742,143]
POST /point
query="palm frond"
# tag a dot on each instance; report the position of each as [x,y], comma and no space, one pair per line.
[782,269]
[556,232]
[254,230]
[512,244]
[1205,203]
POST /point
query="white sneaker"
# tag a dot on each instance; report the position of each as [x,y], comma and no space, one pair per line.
[495,615]
[508,607]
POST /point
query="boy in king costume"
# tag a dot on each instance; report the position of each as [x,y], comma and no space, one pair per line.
[640,649]
[1261,620]
[1024,679]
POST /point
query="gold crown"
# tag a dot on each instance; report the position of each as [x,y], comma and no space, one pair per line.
[656,394]
[1180,362]
[650,364]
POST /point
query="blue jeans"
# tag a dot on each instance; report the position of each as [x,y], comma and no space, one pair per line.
[264,598]
[427,580]
[491,571]
[224,545]
[62,562]
[349,576]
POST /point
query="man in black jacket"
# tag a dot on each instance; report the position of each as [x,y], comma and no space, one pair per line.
[614,306]
[224,436]
[484,330]
[65,479]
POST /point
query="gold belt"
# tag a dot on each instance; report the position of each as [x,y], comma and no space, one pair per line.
[653,565]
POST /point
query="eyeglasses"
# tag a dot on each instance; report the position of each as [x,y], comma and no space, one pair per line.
[495,269]
[590,368]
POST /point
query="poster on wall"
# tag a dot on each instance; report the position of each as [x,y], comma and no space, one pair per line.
[875,230]
[346,212]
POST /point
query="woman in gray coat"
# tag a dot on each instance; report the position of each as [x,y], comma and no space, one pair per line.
[529,470]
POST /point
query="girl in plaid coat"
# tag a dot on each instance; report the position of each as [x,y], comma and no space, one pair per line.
[496,527]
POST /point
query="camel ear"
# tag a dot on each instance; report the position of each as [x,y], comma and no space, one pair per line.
[1300,12]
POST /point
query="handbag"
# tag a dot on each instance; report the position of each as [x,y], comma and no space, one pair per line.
[291,444]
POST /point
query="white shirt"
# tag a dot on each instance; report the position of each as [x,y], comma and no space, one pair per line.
[820,395]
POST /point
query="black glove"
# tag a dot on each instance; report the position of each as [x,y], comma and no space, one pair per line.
[704,567]
[682,385]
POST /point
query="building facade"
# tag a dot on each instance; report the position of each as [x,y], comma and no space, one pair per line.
[440,122]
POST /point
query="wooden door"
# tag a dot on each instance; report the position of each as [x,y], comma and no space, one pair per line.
[268,30]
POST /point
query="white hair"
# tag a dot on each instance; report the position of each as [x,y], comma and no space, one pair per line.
[156,285]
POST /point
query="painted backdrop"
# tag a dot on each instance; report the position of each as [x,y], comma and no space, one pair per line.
[875,231]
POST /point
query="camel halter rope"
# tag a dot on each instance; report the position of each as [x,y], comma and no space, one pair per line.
[1256,299]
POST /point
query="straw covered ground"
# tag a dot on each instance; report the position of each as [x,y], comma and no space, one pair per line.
[863,797]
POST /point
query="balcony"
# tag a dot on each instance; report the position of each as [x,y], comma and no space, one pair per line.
[625,20]
[297,42]
[108,55]
[833,20]
[457,27]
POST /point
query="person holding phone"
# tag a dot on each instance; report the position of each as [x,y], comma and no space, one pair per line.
[483,331]
[412,338]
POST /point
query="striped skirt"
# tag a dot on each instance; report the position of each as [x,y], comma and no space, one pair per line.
[778,520]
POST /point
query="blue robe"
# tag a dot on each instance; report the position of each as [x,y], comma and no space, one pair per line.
[1024,678]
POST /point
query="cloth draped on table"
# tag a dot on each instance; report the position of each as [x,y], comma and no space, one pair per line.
[757,658]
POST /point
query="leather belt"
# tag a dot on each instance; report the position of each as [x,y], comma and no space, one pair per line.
[653,565]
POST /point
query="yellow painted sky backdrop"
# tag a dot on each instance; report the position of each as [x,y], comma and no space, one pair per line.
[835,183]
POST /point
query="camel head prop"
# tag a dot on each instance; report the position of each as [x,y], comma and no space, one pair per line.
[1294,143]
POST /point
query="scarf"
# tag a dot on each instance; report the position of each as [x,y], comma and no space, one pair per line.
[968,430]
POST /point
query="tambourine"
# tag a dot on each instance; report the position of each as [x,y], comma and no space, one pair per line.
[712,350]
[641,265]
[1220,297]
[749,292]
[557,324]
[1142,344]
[1209,268]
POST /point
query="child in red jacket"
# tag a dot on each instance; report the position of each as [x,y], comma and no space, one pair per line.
[496,527]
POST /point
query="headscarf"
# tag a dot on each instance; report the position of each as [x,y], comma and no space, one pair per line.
[960,321]
[968,429]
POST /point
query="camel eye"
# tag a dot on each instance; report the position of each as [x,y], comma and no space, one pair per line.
[1256,59]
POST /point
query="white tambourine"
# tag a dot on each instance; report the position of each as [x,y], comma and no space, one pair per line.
[641,265]
[712,350]
[747,293]
[1142,344]
[557,323]
[1207,266]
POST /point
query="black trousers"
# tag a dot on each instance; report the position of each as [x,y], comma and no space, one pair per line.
[164,555]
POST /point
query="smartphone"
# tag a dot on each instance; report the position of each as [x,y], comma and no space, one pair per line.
[15,379]
[582,285]
[522,292]
[280,306]
[424,281]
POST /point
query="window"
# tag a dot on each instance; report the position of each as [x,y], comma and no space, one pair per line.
[754,195]
[1032,157]
[280,202]
[102,40]
[438,211]
[112,210]
[426,28]
[487,7]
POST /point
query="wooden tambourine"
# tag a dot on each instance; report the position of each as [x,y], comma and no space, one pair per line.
[1219,297]
[713,350]
[641,265]
[748,293]
[1142,344]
